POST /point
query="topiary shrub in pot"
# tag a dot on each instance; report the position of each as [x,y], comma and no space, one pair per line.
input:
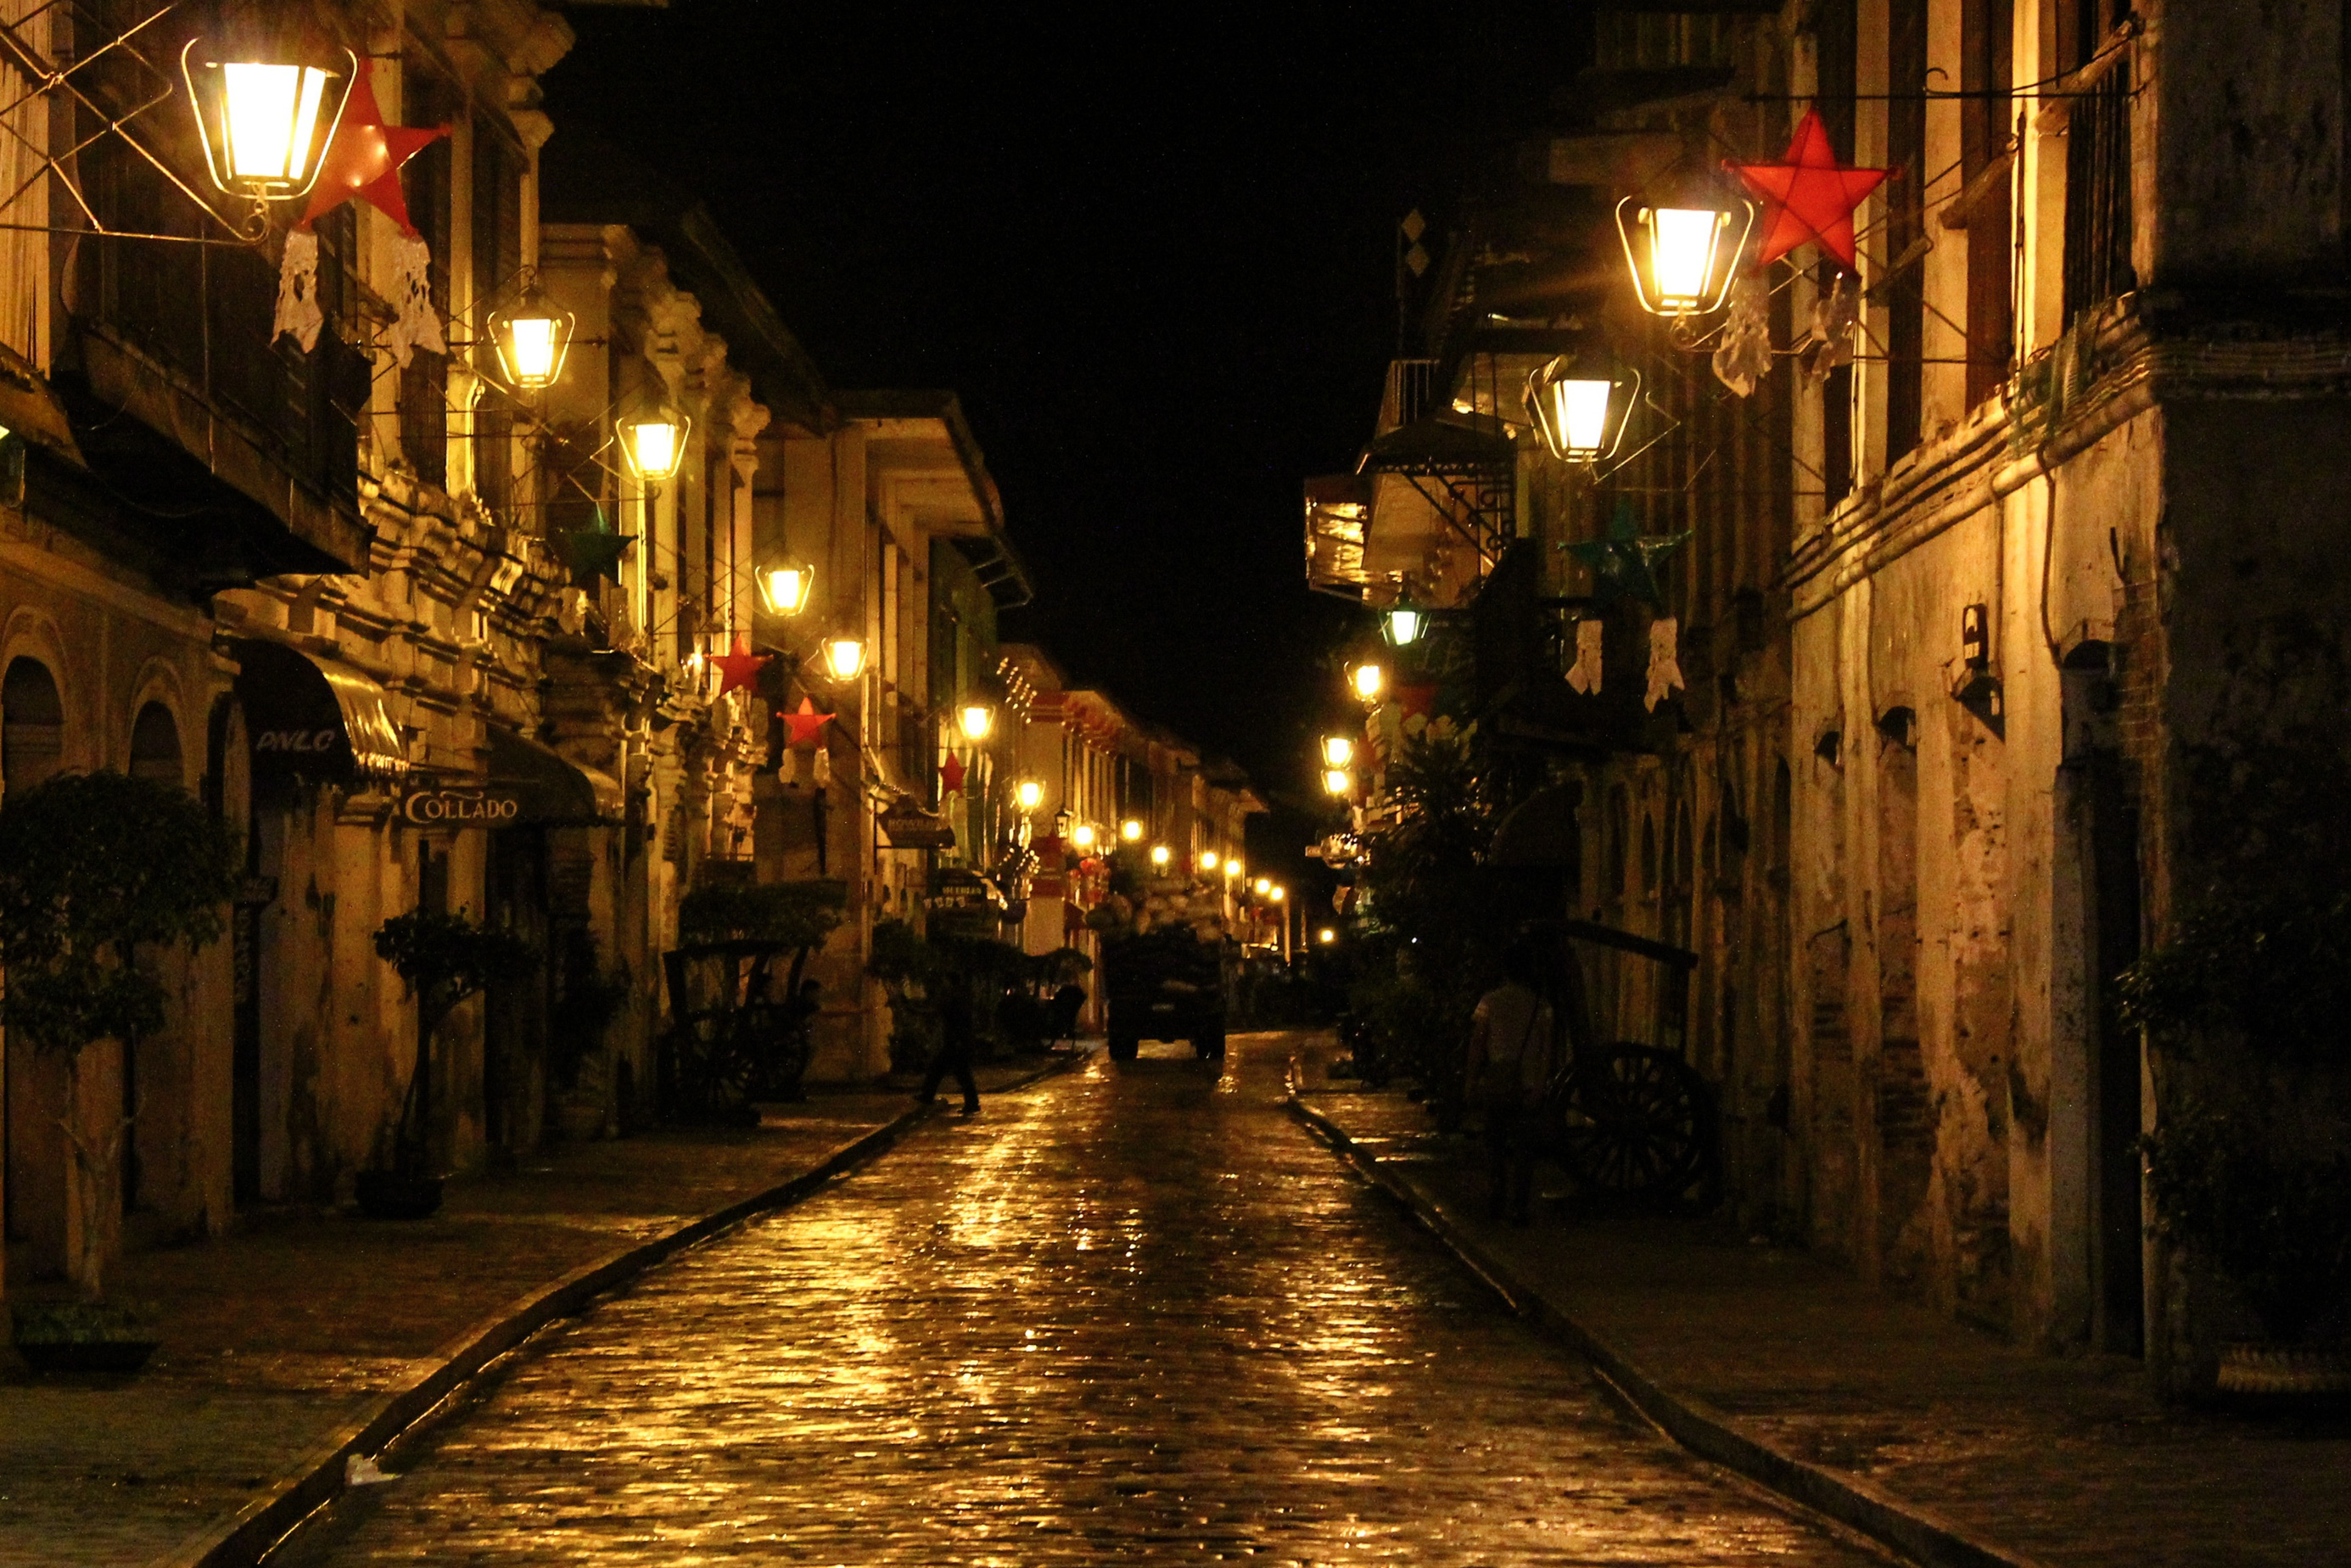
[443,959]
[94,869]
[2245,1012]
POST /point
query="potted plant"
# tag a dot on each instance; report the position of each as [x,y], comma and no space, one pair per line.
[443,959]
[94,867]
[2244,1010]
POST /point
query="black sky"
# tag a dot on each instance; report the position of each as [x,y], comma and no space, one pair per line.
[1151,248]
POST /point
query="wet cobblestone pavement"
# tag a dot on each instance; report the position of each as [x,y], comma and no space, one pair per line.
[1135,1315]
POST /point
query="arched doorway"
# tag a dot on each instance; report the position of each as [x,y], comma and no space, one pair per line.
[32,1089]
[155,746]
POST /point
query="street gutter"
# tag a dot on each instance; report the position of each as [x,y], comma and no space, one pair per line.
[254,1532]
[1918,1534]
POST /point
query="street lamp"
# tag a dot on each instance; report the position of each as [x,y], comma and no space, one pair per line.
[786,586]
[1368,678]
[1263,885]
[1582,413]
[266,124]
[1680,263]
[1030,793]
[1338,751]
[653,442]
[1209,860]
[532,337]
[1083,836]
[844,656]
[1233,872]
[1279,894]
[1161,855]
[1338,781]
[1403,625]
[1326,936]
[1131,830]
[976,719]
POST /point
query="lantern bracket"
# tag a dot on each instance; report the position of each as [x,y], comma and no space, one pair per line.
[47,78]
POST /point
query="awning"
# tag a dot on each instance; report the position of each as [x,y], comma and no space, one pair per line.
[552,790]
[313,716]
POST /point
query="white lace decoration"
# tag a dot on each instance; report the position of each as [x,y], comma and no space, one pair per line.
[1665,660]
[1586,676]
[297,291]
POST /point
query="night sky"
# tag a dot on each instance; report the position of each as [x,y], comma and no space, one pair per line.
[1153,251]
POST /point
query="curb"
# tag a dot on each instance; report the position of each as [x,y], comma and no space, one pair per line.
[1918,1534]
[256,1529]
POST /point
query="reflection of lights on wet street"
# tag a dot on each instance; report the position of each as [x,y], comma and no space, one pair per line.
[1135,1315]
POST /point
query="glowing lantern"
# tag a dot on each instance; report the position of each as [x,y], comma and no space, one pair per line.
[846,657]
[1082,835]
[266,124]
[1368,679]
[1582,416]
[1131,830]
[1160,854]
[1264,885]
[1682,258]
[532,337]
[785,589]
[976,720]
[653,442]
[1403,625]
[1030,793]
[1338,781]
[1338,751]
[1209,860]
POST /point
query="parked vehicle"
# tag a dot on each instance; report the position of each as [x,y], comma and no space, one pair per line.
[1168,983]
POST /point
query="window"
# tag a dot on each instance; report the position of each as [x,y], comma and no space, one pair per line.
[497,169]
[1905,226]
[2097,164]
[426,99]
[1986,149]
[32,726]
[155,746]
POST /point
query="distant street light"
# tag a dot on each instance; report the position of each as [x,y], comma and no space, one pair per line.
[1338,781]
[1280,894]
[1263,886]
[1082,835]
[1369,679]
[1338,751]
[1030,793]
[1161,855]
[976,719]
[1131,830]
[1208,860]
[1326,936]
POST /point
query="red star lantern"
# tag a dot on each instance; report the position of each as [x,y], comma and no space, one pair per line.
[1810,197]
[807,726]
[739,668]
[951,774]
[365,157]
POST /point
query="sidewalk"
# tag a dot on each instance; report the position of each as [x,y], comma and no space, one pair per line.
[1936,1439]
[283,1338]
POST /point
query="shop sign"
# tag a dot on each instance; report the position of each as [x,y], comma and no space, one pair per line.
[298,742]
[912,828]
[461,807]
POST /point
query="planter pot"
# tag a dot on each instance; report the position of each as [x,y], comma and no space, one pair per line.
[393,1195]
[2284,1371]
[81,1337]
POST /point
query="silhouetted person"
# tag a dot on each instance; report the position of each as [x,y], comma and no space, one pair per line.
[958,1032]
[1509,1073]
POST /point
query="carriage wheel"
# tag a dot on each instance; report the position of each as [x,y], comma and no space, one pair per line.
[1635,1122]
[713,1070]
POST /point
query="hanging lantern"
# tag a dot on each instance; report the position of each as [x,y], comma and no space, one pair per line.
[1263,885]
[532,337]
[1403,625]
[975,719]
[1582,412]
[1683,258]
[846,657]
[1338,751]
[1083,836]
[1131,830]
[1368,679]
[785,588]
[653,442]
[1209,860]
[1233,872]
[1161,855]
[1338,781]
[1279,894]
[1030,793]
[266,124]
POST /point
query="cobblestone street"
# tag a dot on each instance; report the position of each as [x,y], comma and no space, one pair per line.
[1134,1314]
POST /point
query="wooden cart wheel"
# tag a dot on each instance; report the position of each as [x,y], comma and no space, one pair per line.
[1635,1122]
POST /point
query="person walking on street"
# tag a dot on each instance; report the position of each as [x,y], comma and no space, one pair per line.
[957,1030]
[1511,1053]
